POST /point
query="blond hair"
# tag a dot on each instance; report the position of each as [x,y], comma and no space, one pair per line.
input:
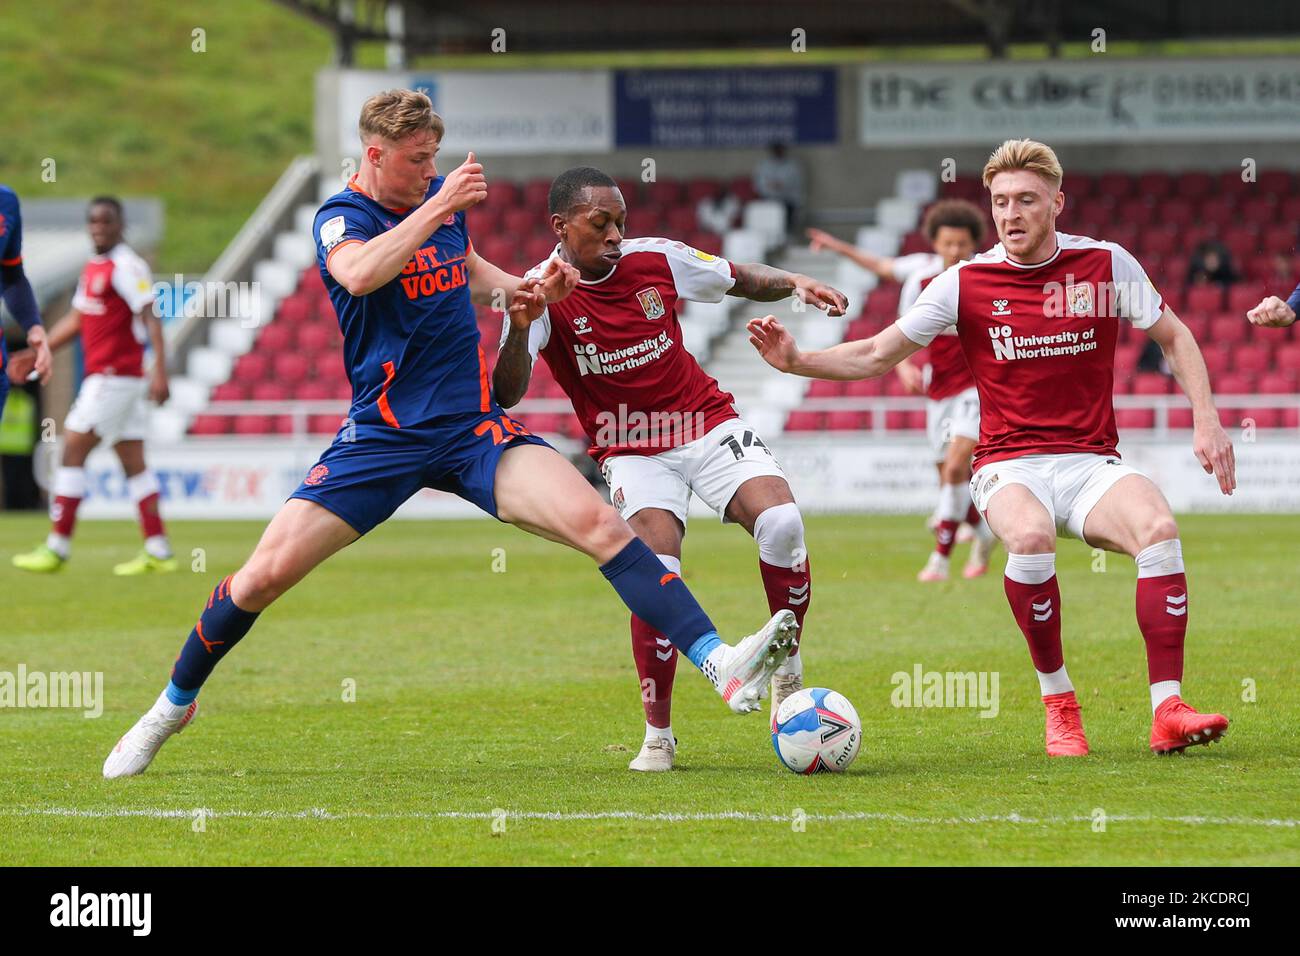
[396,114]
[1024,154]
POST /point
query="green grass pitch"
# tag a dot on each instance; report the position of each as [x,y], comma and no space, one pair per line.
[479,690]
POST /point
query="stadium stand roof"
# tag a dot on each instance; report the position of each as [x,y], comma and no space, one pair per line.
[424,27]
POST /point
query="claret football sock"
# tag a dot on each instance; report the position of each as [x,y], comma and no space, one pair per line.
[1162,615]
[220,627]
[1035,599]
[656,663]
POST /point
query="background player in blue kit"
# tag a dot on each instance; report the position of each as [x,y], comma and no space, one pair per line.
[402,274]
[18,295]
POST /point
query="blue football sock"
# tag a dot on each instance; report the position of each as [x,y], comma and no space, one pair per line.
[660,598]
[220,627]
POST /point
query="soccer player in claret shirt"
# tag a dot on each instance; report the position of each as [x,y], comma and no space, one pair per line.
[111,311]
[402,274]
[16,291]
[659,427]
[955,229]
[1037,317]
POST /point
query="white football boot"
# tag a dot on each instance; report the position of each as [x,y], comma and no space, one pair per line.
[138,746]
[656,755]
[742,672]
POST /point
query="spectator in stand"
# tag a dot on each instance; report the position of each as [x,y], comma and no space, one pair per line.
[1283,269]
[718,213]
[780,177]
[1211,263]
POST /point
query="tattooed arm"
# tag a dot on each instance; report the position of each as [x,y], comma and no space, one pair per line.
[762,283]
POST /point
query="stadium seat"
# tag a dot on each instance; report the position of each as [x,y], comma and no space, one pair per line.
[1258,211]
[1138,213]
[317,337]
[1281,238]
[804,422]
[1244,296]
[1157,242]
[1205,297]
[1193,186]
[519,222]
[1131,418]
[276,337]
[883,302]
[744,189]
[1176,213]
[698,189]
[314,391]
[1230,183]
[1155,185]
[822,388]
[914,242]
[210,425]
[1218,357]
[270,391]
[296,308]
[1288,209]
[1115,185]
[252,366]
[680,221]
[1126,356]
[534,195]
[1216,213]
[236,390]
[324,424]
[1276,182]
[1199,326]
[253,425]
[667,192]
[1255,357]
[1151,383]
[1228,328]
[290,367]
[864,388]
[709,242]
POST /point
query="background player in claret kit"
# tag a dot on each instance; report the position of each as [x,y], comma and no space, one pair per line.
[626,302]
[112,311]
[955,229]
[1035,316]
[17,293]
[401,271]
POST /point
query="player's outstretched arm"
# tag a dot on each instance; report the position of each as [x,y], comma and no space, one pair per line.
[762,283]
[492,286]
[861,358]
[1273,313]
[1210,443]
[883,266]
[159,389]
[65,330]
[362,267]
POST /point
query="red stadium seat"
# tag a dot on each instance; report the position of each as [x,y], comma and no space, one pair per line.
[864,388]
[519,222]
[1151,383]
[232,391]
[534,195]
[1277,182]
[538,249]
[804,422]
[1244,296]
[1176,213]
[1228,329]
[1193,185]
[1138,213]
[680,220]
[698,189]
[1130,418]
[210,425]
[667,192]
[1230,183]
[1126,356]
[1277,239]
[743,187]
[317,337]
[1157,242]
[1218,357]
[1288,209]
[296,308]
[1262,417]
[252,366]
[1235,383]
[1199,326]
[883,301]
[1180,418]
[314,391]
[269,391]
[290,367]
[709,242]
[847,421]
[253,425]
[340,388]
[821,388]
[276,337]
[1279,383]
[1258,211]
[324,424]
[1217,213]
[1255,358]
[1206,297]
[1155,185]
[1115,185]
[915,242]
[1077,187]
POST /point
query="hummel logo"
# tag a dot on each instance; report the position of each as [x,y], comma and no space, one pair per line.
[580,325]
[799,595]
[1042,612]
[1000,307]
[1176,604]
[665,654]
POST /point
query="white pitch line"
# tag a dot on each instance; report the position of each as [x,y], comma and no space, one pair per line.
[319,813]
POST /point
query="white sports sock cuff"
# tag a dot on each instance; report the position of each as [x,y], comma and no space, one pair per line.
[1163,557]
[672,564]
[1031,568]
[951,505]
[143,485]
[70,483]
[779,533]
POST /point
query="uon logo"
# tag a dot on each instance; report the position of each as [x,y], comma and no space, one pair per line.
[1000,307]
[1003,347]
[651,304]
[1079,299]
[316,475]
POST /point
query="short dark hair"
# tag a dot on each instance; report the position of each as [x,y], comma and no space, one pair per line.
[566,190]
[956,213]
[107,201]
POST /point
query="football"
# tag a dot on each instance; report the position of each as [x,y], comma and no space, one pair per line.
[816,730]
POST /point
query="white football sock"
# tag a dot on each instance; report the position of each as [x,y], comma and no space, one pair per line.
[651,732]
[158,546]
[1057,682]
[60,544]
[1162,690]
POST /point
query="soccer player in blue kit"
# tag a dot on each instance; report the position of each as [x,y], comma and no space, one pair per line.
[402,273]
[17,293]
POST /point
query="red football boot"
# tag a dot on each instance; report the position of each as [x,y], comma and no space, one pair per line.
[1175,727]
[1065,737]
